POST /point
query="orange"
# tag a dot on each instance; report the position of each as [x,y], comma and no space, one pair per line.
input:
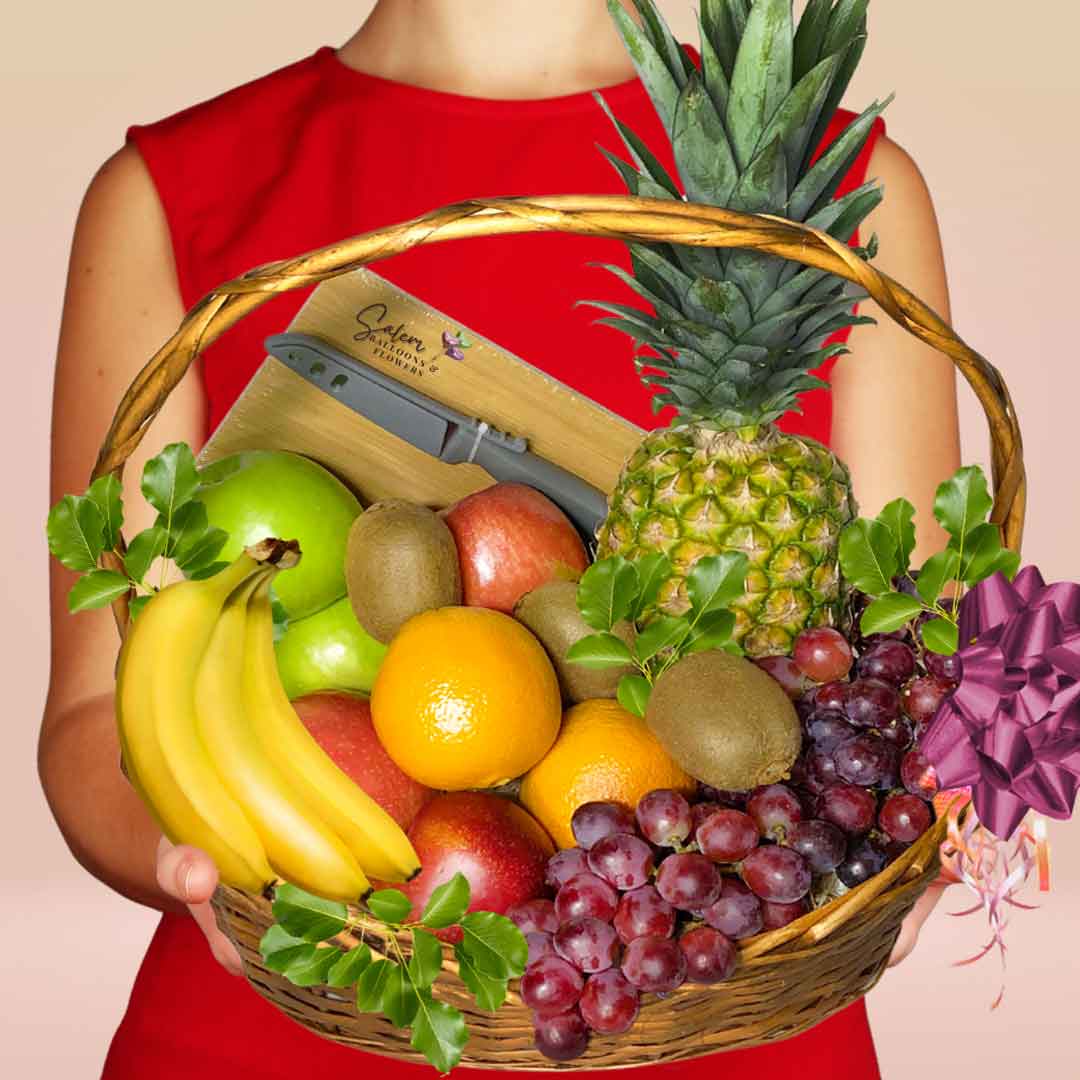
[465,698]
[602,754]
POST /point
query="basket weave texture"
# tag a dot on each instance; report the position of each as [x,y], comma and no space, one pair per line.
[787,980]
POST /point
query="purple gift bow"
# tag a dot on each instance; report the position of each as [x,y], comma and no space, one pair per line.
[1011,731]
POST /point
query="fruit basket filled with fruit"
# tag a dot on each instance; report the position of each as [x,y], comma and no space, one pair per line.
[651,793]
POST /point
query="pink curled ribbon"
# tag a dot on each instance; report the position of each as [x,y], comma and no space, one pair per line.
[1011,731]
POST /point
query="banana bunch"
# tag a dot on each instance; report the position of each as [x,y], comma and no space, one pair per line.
[216,750]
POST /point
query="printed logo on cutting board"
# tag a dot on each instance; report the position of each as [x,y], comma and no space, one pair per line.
[392,340]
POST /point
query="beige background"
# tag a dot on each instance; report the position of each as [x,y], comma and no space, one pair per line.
[987,97]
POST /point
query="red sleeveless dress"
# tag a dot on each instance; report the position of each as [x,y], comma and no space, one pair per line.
[301,158]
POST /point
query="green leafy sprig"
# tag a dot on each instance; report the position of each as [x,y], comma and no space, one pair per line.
[618,591]
[82,528]
[875,558]
[300,945]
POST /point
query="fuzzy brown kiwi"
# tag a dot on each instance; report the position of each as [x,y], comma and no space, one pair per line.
[551,613]
[400,560]
[725,721]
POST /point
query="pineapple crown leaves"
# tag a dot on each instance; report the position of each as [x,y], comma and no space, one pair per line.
[736,333]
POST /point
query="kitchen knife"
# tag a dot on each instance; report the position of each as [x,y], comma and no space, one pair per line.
[435,428]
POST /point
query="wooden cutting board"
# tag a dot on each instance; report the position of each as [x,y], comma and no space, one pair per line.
[365,316]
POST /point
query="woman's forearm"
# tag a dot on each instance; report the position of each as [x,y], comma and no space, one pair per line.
[106,826]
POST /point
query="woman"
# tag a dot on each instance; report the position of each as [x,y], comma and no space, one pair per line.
[429,102]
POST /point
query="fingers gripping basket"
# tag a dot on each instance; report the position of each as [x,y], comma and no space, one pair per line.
[787,980]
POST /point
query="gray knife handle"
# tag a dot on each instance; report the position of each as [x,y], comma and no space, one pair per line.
[585,505]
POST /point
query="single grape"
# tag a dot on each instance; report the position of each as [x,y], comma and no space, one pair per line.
[863,760]
[832,697]
[593,821]
[775,810]
[550,985]
[622,860]
[565,864]
[904,817]
[585,894]
[540,945]
[777,874]
[688,881]
[532,915]
[773,916]
[864,859]
[821,767]
[949,669]
[897,733]
[727,836]
[655,965]
[820,843]
[871,703]
[827,730]
[643,913]
[922,697]
[848,807]
[589,944]
[891,661]
[786,672]
[736,912]
[710,956]
[918,775]
[823,654]
[664,818]
[700,811]
[609,1003]
[561,1037]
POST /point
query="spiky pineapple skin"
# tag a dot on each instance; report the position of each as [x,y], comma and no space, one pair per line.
[689,491]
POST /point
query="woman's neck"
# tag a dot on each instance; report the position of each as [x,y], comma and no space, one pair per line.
[509,49]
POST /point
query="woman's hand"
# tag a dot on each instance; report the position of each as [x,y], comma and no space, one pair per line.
[187,874]
[909,930]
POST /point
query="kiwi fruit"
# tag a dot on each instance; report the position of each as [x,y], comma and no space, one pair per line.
[725,721]
[400,560]
[551,613]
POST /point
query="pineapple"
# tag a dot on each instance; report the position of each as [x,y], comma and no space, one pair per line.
[734,335]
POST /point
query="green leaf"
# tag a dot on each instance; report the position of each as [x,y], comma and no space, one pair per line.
[489,992]
[941,636]
[715,581]
[170,480]
[136,605]
[899,518]
[633,694]
[144,548]
[712,631]
[314,971]
[349,966]
[96,590]
[199,553]
[280,950]
[963,502]
[205,572]
[188,525]
[308,917]
[390,905]
[372,985]
[426,960]
[935,572]
[439,1033]
[76,530]
[399,998]
[447,903]
[981,554]
[494,944]
[1007,562]
[652,571]
[607,591]
[665,632]
[653,71]
[702,152]
[889,613]
[106,493]
[599,652]
[869,557]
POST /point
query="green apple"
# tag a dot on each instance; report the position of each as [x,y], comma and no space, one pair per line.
[262,493]
[329,650]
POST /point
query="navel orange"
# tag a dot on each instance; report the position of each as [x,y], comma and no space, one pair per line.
[465,698]
[603,753]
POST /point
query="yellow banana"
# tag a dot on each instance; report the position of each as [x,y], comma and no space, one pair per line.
[155,715]
[300,847]
[377,841]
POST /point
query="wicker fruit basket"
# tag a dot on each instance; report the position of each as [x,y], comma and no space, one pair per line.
[788,979]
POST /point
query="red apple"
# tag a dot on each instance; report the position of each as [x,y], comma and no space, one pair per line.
[499,847]
[510,540]
[341,725]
